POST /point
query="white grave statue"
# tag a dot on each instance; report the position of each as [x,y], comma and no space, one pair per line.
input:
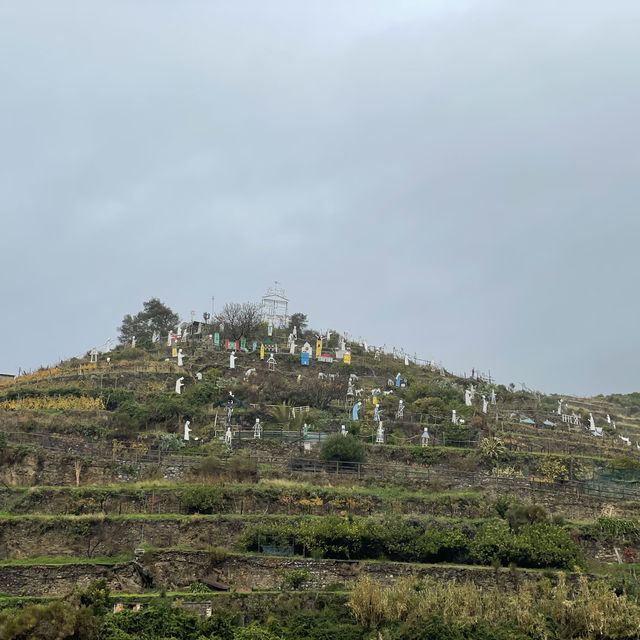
[94,355]
[424,438]
[467,397]
[380,434]
[199,376]
[292,348]
[613,424]
[133,342]
[187,430]
[406,361]
[473,391]
[343,430]
[271,362]
[180,357]
[492,397]
[270,330]
[454,419]
[228,437]
[592,422]
[155,336]
[257,430]
[376,413]
[560,407]
[295,331]
[350,388]
[169,339]
[485,404]
[179,384]
[232,360]
[608,419]
[400,411]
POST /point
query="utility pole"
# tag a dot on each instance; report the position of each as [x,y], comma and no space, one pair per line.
[212,306]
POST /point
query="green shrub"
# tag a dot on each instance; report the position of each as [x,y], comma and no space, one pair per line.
[202,498]
[440,546]
[343,448]
[295,578]
[210,467]
[535,545]
[518,515]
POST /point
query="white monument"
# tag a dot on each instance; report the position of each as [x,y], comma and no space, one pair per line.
[93,355]
[454,419]
[228,437]
[343,430]
[179,384]
[424,438]
[380,434]
[467,397]
[271,362]
[400,411]
[492,397]
[485,404]
[232,360]
[560,407]
[187,430]
[180,358]
[257,430]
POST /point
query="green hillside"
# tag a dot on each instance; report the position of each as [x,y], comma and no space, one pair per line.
[283,517]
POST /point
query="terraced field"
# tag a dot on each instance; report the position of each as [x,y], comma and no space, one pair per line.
[98,483]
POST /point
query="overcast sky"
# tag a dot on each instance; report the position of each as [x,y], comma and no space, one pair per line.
[457,178]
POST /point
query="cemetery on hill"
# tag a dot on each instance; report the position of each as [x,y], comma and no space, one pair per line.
[245,475]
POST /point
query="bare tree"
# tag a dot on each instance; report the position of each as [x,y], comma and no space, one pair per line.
[240,320]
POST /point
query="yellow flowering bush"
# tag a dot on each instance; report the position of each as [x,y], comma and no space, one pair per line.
[63,403]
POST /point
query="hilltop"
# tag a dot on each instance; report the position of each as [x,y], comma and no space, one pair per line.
[253,494]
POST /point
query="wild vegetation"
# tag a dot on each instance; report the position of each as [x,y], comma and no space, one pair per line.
[538,518]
